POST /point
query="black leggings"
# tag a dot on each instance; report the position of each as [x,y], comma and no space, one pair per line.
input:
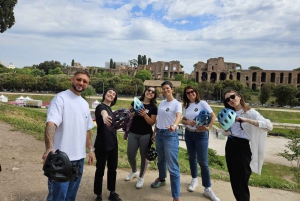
[238,157]
[112,163]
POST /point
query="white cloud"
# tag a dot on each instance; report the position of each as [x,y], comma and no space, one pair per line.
[261,33]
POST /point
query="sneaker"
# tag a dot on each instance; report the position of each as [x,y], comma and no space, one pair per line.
[139,183]
[157,183]
[193,185]
[131,176]
[114,197]
[99,198]
[209,193]
[176,199]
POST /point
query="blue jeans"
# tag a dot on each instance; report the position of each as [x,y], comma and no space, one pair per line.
[167,150]
[197,146]
[64,191]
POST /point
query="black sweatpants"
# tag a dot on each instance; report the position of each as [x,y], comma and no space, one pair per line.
[238,157]
[111,157]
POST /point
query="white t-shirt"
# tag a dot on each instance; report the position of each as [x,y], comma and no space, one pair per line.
[71,115]
[236,130]
[166,113]
[193,110]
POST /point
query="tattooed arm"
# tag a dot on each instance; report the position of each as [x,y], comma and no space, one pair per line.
[49,139]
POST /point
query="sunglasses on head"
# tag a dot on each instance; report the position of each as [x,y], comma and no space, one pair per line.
[83,80]
[151,91]
[189,92]
[230,97]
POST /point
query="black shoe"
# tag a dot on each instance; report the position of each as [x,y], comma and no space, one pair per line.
[99,198]
[114,197]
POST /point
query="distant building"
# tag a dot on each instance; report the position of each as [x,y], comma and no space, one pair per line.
[118,63]
[217,70]
[11,66]
[159,69]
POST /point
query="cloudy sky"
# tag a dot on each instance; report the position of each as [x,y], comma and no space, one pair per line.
[264,33]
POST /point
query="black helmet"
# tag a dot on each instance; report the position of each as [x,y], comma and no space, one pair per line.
[58,167]
[120,119]
[151,154]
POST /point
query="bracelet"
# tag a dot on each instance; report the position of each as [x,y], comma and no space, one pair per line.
[174,126]
[92,150]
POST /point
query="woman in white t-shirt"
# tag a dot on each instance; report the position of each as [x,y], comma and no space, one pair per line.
[166,138]
[196,139]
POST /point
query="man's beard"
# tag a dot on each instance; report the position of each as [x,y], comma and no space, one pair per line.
[74,87]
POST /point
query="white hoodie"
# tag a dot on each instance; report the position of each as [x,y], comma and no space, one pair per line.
[257,136]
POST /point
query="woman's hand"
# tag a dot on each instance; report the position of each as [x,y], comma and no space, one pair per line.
[171,128]
[107,120]
[191,122]
[142,112]
[153,137]
[202,128]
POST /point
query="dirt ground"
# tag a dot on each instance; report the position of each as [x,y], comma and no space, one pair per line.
[22,177]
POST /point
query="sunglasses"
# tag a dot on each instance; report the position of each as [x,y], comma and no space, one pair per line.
[189,92]
[230,97]
[83,80]
[151,91]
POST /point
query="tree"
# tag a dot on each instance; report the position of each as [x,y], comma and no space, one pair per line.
[140,61]
[55,71]
[133,63]
[255,68]
[293,154]
[47,65]
[285,94]
[7,18]
[144,60]
[143,75]
[265,93]
[111,63]
[89,91]
[72,63]
[181,66]
[195,65]
[114,65]
[180,77]
[149,60]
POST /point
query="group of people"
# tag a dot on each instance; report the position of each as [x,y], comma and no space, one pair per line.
[69,123]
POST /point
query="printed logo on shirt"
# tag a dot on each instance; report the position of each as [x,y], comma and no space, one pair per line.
[196,109]
[147,111]
[167,109]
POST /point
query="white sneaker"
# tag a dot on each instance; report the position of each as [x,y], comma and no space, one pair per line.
[131,176]
[139,183]
[193,185]
[209,193]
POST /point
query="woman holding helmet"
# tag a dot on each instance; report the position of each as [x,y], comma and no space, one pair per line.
[106,146]
[245,144]
[144,116]
[196,137]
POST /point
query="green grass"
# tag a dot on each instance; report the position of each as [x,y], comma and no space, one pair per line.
[32,121]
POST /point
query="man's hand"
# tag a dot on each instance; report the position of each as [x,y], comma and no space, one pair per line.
[91,158]
[46,154]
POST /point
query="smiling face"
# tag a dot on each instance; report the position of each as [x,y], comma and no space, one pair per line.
[233,100]
[167,90]
[110,95]
[150,93]
[191,95]
[79,83]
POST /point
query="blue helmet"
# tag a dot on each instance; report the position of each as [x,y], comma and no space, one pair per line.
[137,105]
[203,118]
[226,118]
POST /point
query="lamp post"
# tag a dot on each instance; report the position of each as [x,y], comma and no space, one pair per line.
[102,88]
[136,90]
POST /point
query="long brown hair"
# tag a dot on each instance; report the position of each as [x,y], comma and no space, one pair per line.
[186,101]
[242,101]
[152,100]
